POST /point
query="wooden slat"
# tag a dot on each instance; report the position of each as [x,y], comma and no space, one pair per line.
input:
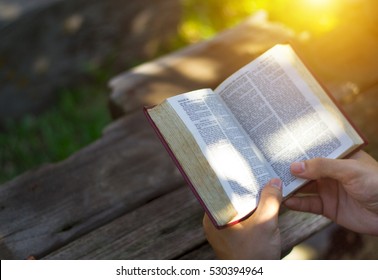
[170,227]
[47,208]
[163,229]
[204,252]
[205,64]
[298,226]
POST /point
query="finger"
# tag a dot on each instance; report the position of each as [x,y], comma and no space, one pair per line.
[322,168]
[364,157]
[310,188]
[270,200]
[205,220]
[311,204]
[207,224]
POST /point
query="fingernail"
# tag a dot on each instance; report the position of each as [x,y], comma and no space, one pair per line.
[298,167]
[275,182]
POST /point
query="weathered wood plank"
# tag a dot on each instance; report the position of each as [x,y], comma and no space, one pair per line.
[204,64]
[298,226]
[163,229]
[47,208]
[170,227]
[204,252]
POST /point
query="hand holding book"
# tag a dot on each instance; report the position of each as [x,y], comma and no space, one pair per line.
[228,143]
[257,237]
[347,193]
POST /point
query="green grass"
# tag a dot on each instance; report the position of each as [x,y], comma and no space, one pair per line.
[75,121]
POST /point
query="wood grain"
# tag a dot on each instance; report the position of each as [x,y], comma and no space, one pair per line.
[47,208]
[162,229]
[170,227]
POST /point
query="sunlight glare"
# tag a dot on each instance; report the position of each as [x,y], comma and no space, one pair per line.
[233,167]
[323,13]
[317,16]
[319,3]
[302,252]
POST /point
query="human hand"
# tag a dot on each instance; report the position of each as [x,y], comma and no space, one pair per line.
[345,190]
[257,237]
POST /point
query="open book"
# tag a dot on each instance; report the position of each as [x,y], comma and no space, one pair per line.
[228,143]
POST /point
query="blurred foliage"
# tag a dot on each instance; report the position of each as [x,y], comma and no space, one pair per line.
[203,19]
[75,121]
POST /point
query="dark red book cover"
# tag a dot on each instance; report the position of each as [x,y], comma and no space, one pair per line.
[180,168]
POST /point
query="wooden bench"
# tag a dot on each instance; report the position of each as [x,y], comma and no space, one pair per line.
[121,197]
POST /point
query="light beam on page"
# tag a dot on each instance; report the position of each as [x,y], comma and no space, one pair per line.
[235,170]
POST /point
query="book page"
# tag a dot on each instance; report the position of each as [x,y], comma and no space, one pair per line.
[282,115]
[227,148]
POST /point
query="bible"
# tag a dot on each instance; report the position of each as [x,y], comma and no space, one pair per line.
[229,142]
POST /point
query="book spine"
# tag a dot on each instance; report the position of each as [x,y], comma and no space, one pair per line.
[179,166]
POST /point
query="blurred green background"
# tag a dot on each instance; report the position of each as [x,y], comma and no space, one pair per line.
[81,113]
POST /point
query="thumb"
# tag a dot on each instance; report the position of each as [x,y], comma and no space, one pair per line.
[270,200]
[317,168]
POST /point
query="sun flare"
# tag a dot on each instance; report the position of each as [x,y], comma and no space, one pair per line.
[320,3]
[317,16]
